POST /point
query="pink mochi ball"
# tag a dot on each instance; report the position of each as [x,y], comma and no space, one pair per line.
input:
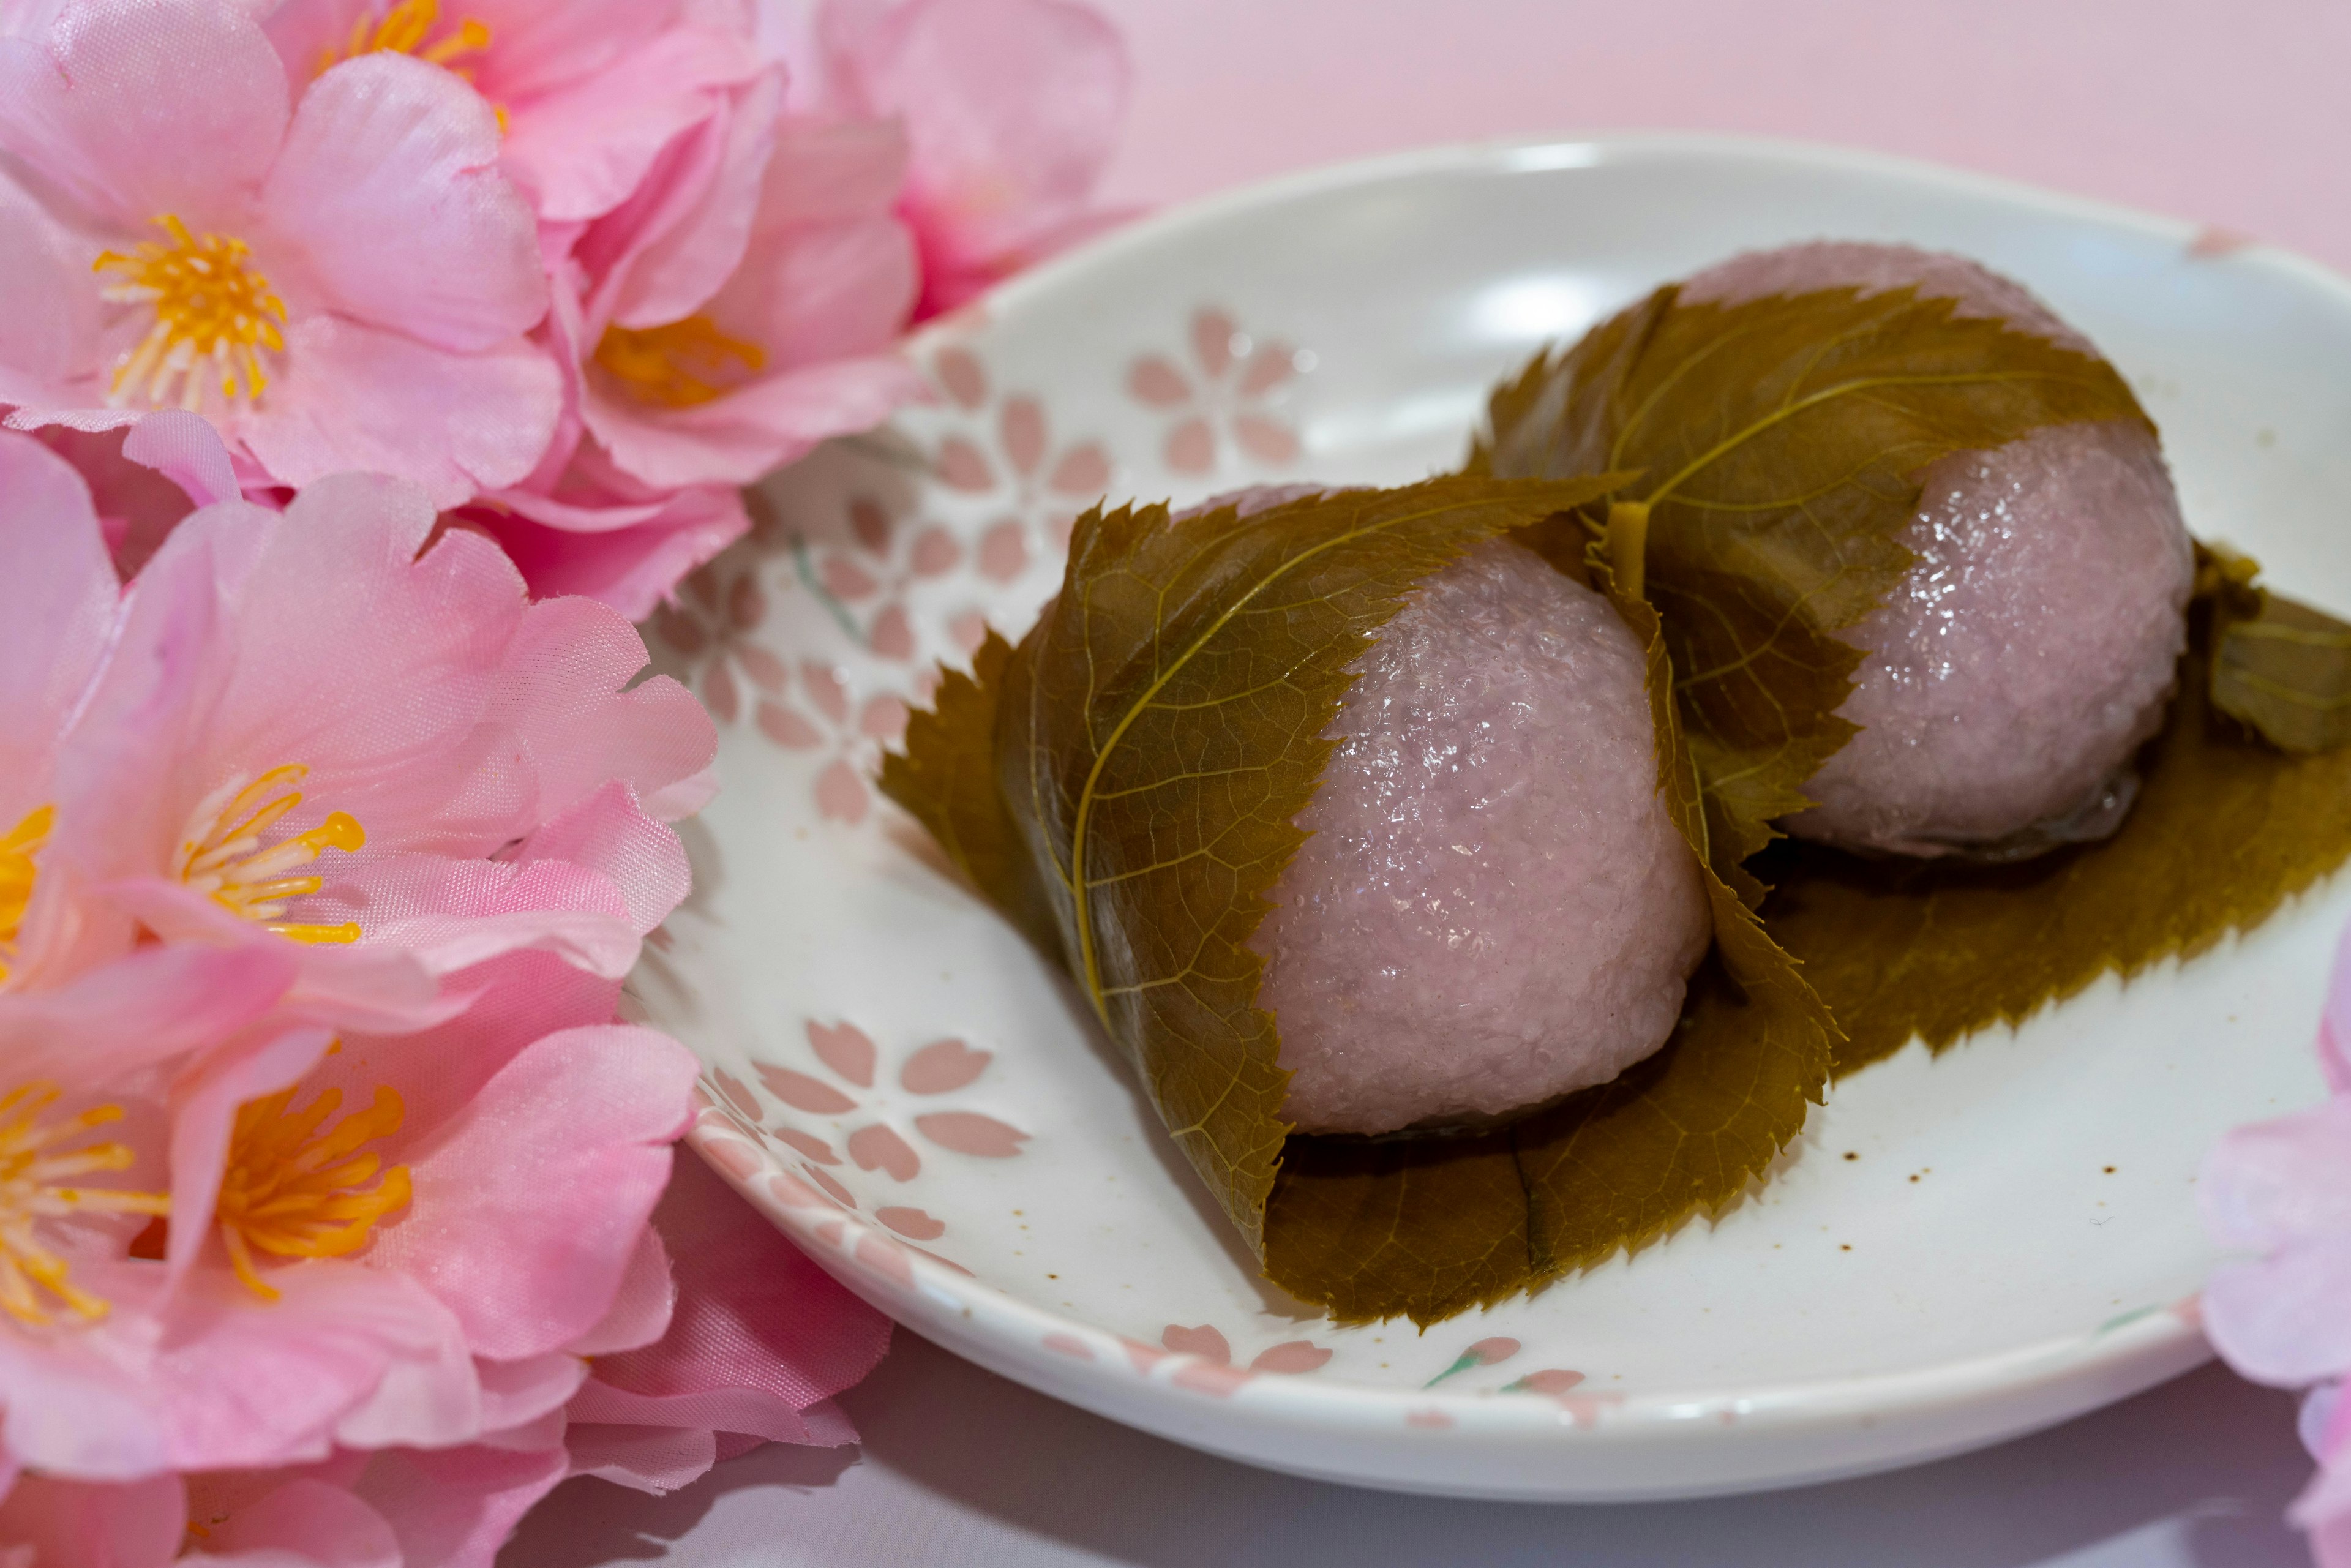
[1493,909]
[2017,669]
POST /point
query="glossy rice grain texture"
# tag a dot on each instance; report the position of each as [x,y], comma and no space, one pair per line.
[1493,909]
[2030,649]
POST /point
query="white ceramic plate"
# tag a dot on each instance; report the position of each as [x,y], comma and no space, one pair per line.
[1956,1251]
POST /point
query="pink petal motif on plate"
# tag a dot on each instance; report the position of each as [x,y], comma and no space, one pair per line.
[766,671]
[787,728]
[942,1067]
[1490,1351]
[1201,1377]
[1021,428]
[1191,447]
[926,685]
[841,794]
[911,1222]
[970,630]
[1212,341]
[892,635]
[680,629]
[831,1232]
[846,1048]
[1143,1356]
[2188,1310]
[816,1149]
[844,578]
[887,1259]
[962,467]
[960,373]
[1554,1380]
[1082,471]
[935,552]
[870,523]
[825,690]
[737,1093]
[879,1148]
[733,1156]
[884,718]
[703,588]
[1583,1409]
[1272,364]
[803,1092]
[747,606]
[1293,1356]
[1428,1419]
[1003,551]
[718,691]
[2212,240]
[793,1193]
[700,1102]
[1155,384]
[1058,526]
[1203,1341]
[942,1262]
[1068,1344]
[831,1188]
[1267,440]
[969,1133]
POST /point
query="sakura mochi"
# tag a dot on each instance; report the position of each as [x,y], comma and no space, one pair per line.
[2030,651]
[1493,910]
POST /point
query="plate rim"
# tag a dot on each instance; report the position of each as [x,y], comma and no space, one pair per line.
[2070,1374]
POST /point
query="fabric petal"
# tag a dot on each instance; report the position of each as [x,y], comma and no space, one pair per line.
[2280,1320]
[355,397]
[454,1508]
[390,186]
[49,333]
[128,1524]
[136,107]
[2281,1181]
[631,566]
[738,438]
[656,1460]
[305,1521]
[640,1312]
[686,255]
[529,1205]
[58,597]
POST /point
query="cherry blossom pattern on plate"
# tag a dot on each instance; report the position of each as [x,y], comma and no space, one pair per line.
[867,1120]
[709,625]
[1040,485]
[1209,1344]
[864,578]
[1230,390]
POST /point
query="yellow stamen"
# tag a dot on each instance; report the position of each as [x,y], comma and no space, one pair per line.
[680,365]
[406,28]
[16,870]
[214,311]
[36,1178]
[292,1192]
[222,855]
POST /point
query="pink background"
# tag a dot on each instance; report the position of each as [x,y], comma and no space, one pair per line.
[2234,114]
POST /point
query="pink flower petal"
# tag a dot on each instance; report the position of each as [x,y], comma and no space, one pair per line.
[911,1222]
[136,108]
[841,795]
[681,256]
[803,1092]
[959,373]
[942,1067]
[389,181]
[1291,1356]
[130,1524]
[878,1147]
[1202,1340]
[969,1133]
[788,728]
[738,438]
[1021,426]
[1155,382]
[455,1506]
[846,1048]
[1191,447]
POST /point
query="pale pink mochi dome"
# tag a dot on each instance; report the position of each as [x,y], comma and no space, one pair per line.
[2031,650]
[1493,909]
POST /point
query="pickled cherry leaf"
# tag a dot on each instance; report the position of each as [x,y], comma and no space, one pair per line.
[2280,667]
[1426,1227]
[1778,443]
[2226,827]
[1151,740]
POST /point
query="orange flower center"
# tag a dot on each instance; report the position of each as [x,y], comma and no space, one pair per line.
[293,1191]
[222,855]
[215,317]
[39,1180]
[680,365]
[409,28]
[17,871]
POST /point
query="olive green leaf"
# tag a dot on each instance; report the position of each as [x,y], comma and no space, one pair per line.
[2282,667]
[1428,1227]
[2226,827]
[1778,444]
